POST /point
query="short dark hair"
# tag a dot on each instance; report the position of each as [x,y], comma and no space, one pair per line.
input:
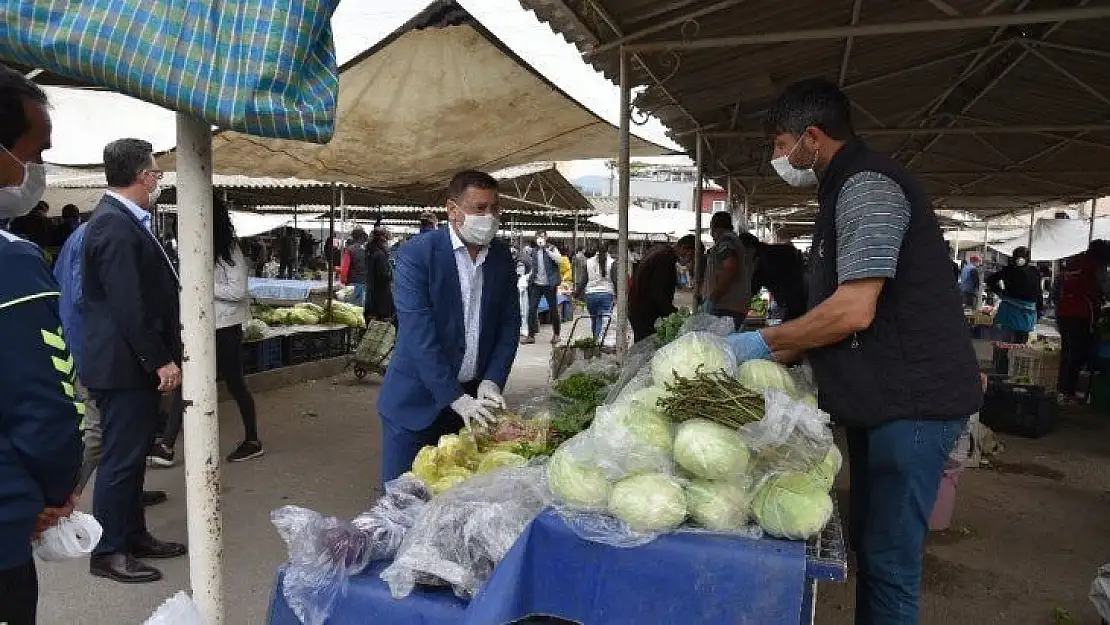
[467,179]
[70,210]
[722,220]
[124,160]
[686,241]
[541,232]
[358,234]
[812,102]
[15,90]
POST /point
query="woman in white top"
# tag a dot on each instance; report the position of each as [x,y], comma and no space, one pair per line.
[599,289]
[232,309]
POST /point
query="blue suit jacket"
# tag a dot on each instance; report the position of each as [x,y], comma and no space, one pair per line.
[422,378]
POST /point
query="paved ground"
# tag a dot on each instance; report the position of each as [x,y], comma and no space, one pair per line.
[1028,534]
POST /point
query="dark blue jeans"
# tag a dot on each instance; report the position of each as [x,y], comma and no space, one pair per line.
[599,305]
[129,422]
[895,473]
[400,444]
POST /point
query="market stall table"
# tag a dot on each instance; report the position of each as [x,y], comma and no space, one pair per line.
[684,577]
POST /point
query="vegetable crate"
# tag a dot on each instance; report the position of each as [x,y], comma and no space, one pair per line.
[305,347]
[263,355]
[1035,366]
[1021,409]
[339,342]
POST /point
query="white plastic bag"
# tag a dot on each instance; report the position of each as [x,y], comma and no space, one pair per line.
[74,536]
[179,609]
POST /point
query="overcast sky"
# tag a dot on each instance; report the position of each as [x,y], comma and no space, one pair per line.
[84,120]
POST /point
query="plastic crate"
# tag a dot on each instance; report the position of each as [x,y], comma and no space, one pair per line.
[1021,409]
[305,347]
[1035,366]
[249,357]
[263,355]
[339,342]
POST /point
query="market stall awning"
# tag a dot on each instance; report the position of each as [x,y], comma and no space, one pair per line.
[439,95]
[1054,239]
[995,105]
[673,222]
[264,68]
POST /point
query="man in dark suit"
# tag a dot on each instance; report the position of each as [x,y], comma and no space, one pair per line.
[458,320]
[131,352]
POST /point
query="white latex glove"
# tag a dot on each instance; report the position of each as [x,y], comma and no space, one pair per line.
[473,412]
[490,395]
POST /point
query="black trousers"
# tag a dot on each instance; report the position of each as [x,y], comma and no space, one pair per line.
[229,368]
[129,422]
[19,594]
[537,292]
[1076,343]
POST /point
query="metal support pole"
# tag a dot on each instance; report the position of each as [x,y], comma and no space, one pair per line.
[698,189]
[623,165]
[986,234]
[342,205]
[331,247]
[574,251]
[956,246]
[198,329]
[1091,227]
[1032,219]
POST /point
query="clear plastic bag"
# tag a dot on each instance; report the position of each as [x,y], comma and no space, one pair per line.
[179,609]
[466,531]
[689,354]
[792,436]
[72,537]
[703,322]
[1100,592]
[324,552]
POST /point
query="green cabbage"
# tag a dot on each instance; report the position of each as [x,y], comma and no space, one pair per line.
[792,505]
[576,482]
[301,316]
[825,473]
[719,506]
[687,355]
[451,477]
[254,330]
[760,375]
[459,451]
[617,422]
[316,309]
[498,458]
[651,502]
[710,450]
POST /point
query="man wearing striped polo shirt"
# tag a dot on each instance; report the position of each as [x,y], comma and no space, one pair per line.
[885,335]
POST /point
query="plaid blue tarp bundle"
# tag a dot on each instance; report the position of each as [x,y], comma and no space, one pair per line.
[257,66]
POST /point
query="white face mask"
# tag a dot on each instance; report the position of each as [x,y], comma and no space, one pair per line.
[792,175]
[541,242]
[478,229]
[17,201]
[1021,262]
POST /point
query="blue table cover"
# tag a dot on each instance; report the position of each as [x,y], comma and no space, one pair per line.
[288,290]
[685,577]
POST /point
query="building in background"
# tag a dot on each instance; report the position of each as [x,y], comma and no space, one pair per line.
[657,187]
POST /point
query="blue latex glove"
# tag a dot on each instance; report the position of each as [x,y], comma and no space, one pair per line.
[747,346]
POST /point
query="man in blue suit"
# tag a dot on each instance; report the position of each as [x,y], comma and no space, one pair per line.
[457,326]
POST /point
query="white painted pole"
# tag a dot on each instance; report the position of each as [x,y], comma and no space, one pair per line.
[198,328]
[624,192]
[956,246]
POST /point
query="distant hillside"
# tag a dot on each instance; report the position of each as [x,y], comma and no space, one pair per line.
[592,185]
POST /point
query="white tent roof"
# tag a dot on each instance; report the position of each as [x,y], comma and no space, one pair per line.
[440,95]
[671,222]
[1056,238]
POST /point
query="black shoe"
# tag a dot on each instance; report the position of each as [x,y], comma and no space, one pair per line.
[245,451]
[527,340]
[151,547]
[153,497]
[123,568]
[160,456]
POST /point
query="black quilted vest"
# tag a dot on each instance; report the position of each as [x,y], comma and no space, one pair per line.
[916,360]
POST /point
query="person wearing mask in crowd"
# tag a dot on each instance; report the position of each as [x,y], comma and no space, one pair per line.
[40,438]
[971,280]
[353,269]
[379,278]
[1082,289]
[885,336]
[780,269]
[728,284]
[597,285]
[1019,285]
[428,221]
[457,321]
[544,258]
[651,296]
[131,347]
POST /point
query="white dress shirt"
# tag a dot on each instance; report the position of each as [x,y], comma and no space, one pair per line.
[143,216]
[470,283]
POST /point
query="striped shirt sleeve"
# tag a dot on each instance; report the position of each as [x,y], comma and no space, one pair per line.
[872,215]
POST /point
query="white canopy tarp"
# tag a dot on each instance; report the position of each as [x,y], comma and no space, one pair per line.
[1054,239]
[668,221]
[425,104]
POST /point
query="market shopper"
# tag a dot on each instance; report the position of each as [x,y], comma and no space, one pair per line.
[1083,286]
[598,286]
[885,335]
[379,278]
[456,298]
[780,269]
[971,281]
[352,270]
[40,439]
[131,347]
[727,290]
[1019,285]
[651,296]
[545,259]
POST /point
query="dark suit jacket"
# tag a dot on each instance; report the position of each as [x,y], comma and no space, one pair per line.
[652,294]
[132,325]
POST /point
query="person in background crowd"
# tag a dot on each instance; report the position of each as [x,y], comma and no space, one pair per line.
[353,268]
[544,283]
[566,268]
[885,336]
[971,281]
[1019,285]
[428,221]
[523,276]
[651,296]
[1082,289]
[71,219]
[40,438]
[728,285]
[597,284]
[34,226]
[286,253]
[131,348]
[307,248]
[780,269]
[457,320]
[379,278]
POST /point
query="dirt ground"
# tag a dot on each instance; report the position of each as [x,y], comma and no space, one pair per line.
[1026,538]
